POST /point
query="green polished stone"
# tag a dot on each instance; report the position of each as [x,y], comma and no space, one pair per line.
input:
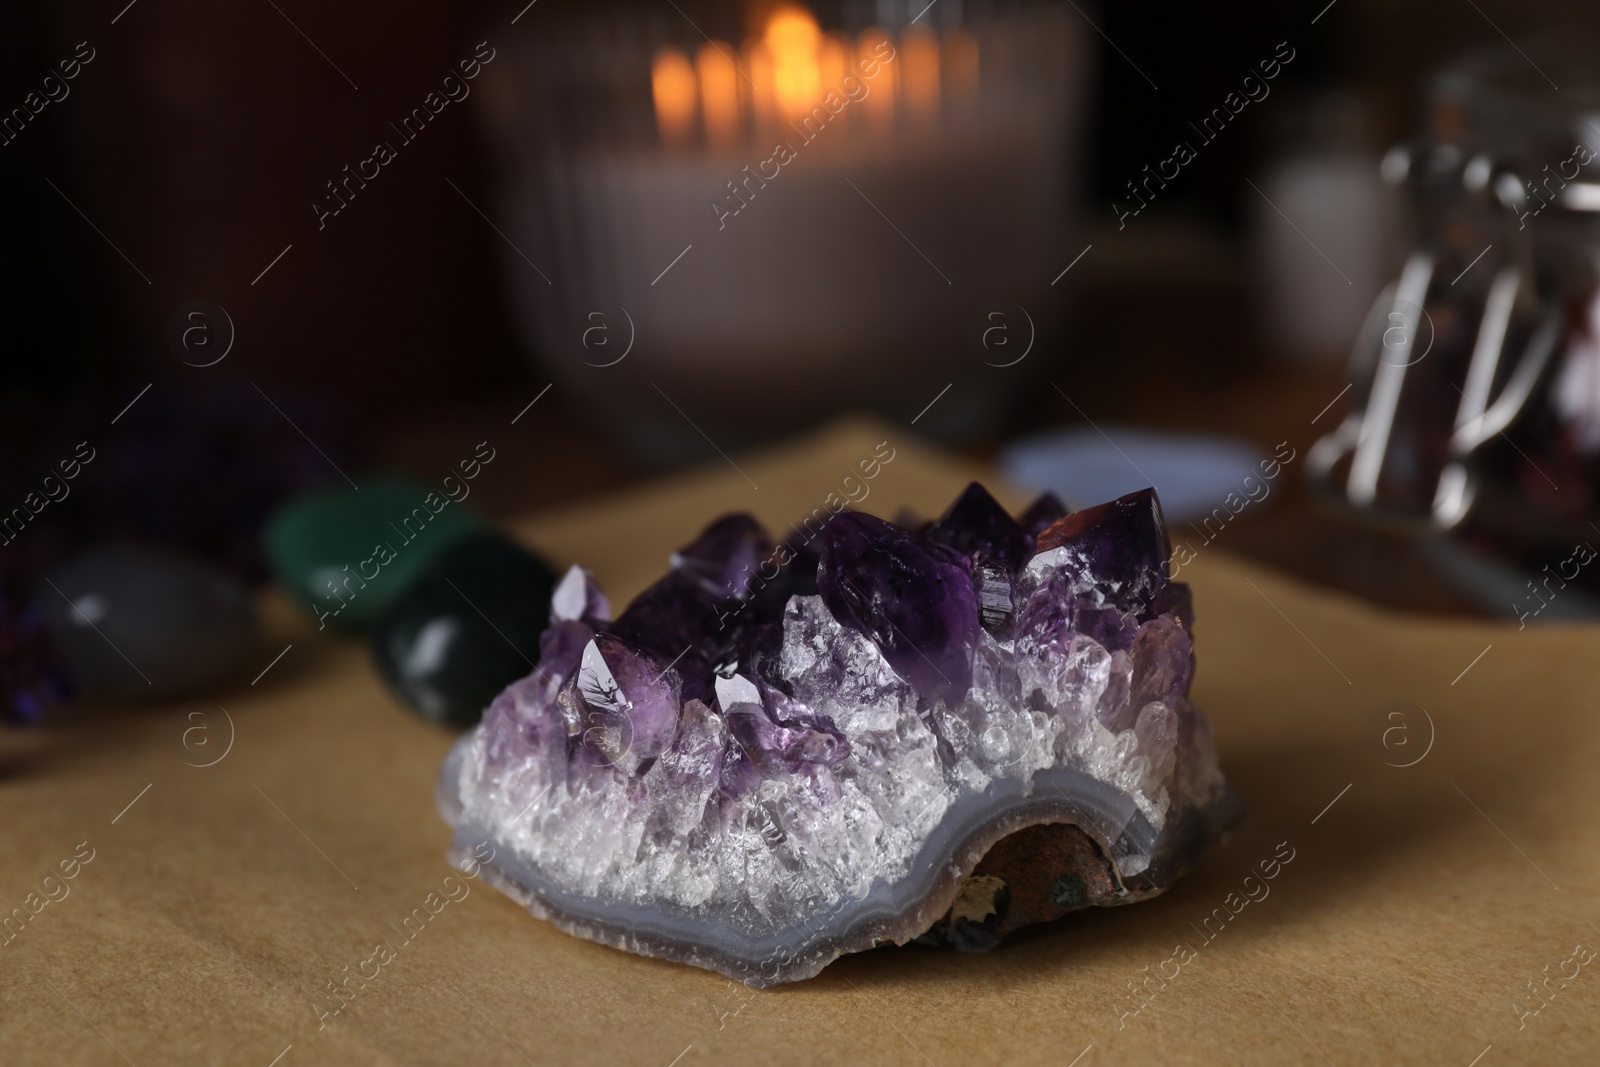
[346,554]
[466,628]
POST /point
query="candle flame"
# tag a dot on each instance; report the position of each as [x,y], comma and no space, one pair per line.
[672,82]
[919,52]
[879,103]
[792,39]
[758,95]
[784,74]
[719,92]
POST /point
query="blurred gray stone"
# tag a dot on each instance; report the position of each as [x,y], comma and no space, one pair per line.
[133,624]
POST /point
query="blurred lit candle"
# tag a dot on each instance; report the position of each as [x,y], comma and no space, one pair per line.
[879,103]
[833,60]
[919,58]
[672,81]
[760,99]
[762,151]
[792,38]
[719,93]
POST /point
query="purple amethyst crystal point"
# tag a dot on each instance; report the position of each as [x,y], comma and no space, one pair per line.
[620,706]
[751,777]
[724,559]
[710,606]
[1125,540]
[578,596]
[1041,513]
[913,597]
[980,529]
[1099,572]
[1121,551]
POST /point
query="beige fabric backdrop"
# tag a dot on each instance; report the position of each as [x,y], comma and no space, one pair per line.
[1413,915]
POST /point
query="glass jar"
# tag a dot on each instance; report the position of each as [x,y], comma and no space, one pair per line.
[1476,377]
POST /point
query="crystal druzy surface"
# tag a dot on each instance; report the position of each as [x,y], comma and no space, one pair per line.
[779,753]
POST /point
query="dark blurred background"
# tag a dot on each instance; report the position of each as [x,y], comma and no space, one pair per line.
[182,165]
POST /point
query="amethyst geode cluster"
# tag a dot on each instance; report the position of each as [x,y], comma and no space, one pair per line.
[780,754]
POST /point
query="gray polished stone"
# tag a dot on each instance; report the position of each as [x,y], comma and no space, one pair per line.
[133,624]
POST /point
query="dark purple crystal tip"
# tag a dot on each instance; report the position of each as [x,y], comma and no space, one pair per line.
[912,596]
[980,529]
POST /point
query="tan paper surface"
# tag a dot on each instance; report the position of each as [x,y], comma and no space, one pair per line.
[1405,928]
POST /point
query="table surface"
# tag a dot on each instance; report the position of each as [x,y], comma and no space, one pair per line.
[1421,906]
